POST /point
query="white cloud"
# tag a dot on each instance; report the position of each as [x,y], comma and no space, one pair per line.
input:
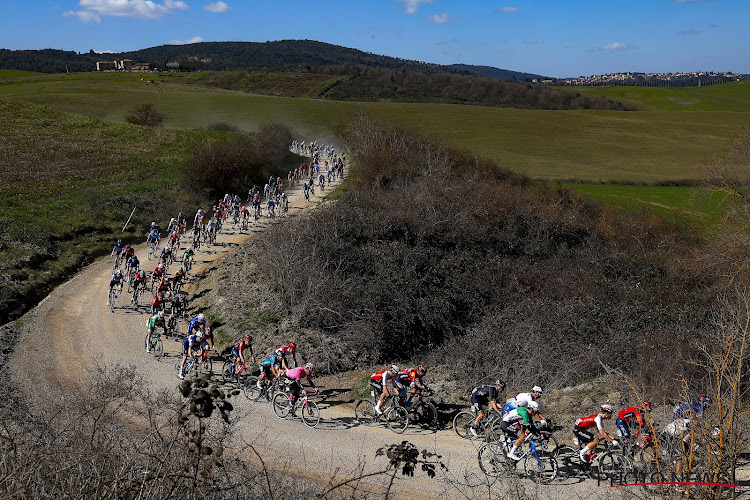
[411,6]
[615,46]
[507,9]
[217,7]
[93,10]
[195,39]
[175,4]
[438,19]
[83,16]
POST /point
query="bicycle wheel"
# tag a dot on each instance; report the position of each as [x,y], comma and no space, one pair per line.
[226,371]
[397,419]
[427,415]
[541,469]
[611,467]
[365,412]
[281,405]
[251,390]
[492,459]
[206,367]
[462,424]
[157,348]
[310,414]
[546,442]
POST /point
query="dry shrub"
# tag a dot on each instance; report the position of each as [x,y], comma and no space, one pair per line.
[438,254]
[146,115]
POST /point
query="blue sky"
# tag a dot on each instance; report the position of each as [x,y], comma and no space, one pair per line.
[549,37]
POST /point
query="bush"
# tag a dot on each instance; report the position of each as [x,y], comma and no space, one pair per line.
[146,115]
[438,254]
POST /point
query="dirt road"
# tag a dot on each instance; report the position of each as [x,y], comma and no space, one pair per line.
[73,329]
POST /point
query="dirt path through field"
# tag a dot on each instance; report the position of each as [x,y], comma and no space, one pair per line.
[73,329]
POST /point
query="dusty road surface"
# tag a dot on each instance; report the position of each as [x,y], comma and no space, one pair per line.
[73,329]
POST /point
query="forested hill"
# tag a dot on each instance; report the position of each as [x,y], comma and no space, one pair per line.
[239,56]
[491,71]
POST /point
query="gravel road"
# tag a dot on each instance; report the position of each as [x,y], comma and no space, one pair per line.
[73,329]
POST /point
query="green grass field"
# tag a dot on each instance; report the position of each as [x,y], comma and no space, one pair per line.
[651,146]
[15,73]
[733,97]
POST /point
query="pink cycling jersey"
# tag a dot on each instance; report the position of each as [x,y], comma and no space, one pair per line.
[297,373]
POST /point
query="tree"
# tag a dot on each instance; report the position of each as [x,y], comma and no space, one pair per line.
[146,115]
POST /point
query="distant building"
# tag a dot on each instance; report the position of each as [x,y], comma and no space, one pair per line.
[106,65]
[123,65]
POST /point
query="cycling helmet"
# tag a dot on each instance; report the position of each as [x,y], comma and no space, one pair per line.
[153,224]
[395,368]
[646,405]
[309,367]
[533,406]
[200,335]
[500,384]
[536,389]
[248,338]
[422,368]
[607,409]
[704,400]
[201,317]
[161,314]
[292,346]
[119,271]
[161,267]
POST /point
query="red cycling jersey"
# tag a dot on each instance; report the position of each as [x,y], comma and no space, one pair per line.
[590,421]
[414,376]
[631,413]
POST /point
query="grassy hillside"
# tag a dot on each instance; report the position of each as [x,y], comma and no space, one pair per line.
[649,146]
[726,97]
[68,184]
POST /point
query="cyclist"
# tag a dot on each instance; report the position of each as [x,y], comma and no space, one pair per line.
[198,220]
[153,235]
[188,256]
[295,376]
[485,395]
[138,280]
[192,345]
[586,439]
[415,382]
[163,286]
[198,324]
[271,207]
[116,281]
[282,352]
[523,399]
[117,248]
[157,320]
[133,264]
[269,368]
[238,358]
[380,381]
[522,416]
[129,251]
[626,418]
[157,274]
[244,214]
[177,305]
[157,303]
[177,279]
[690,409]
[166,255]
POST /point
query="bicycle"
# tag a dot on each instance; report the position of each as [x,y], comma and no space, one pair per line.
[545,439]
[424,412]
[282,407]
[137,292]
[396,416]
[267,389]
[153,249]
[464,419]
[229,374]
[191,369]
[539,466]
[609,465]
[111,300]
[154,345]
